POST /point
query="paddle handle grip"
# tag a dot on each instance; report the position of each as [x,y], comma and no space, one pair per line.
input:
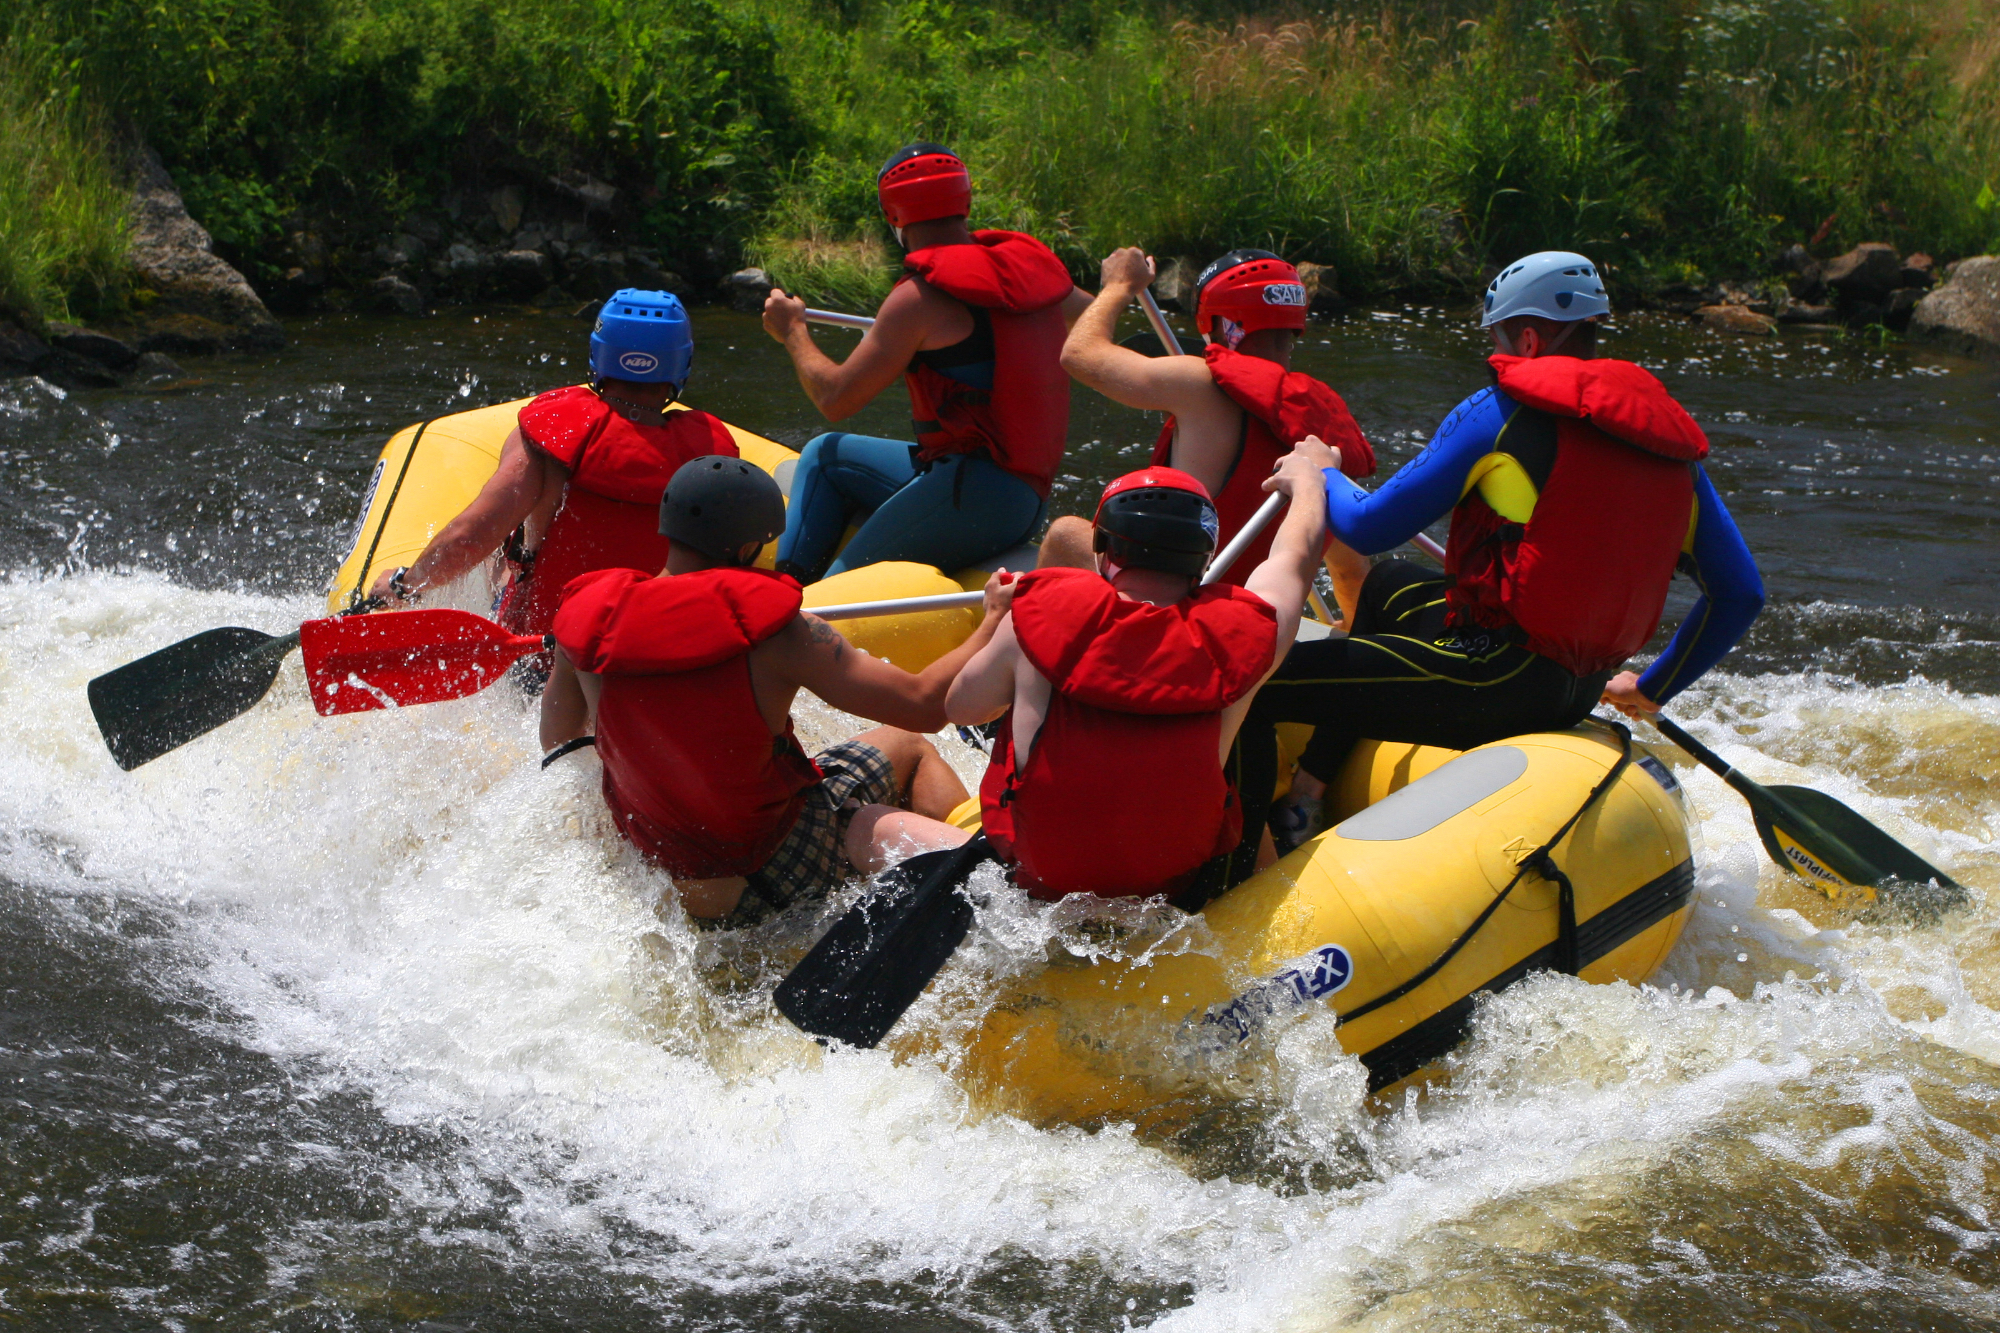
[839,320]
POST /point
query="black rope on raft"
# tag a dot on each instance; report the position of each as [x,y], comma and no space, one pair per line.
[357,600]
[1540,862]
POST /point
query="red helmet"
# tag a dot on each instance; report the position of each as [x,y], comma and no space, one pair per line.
[1156,518]
[1254,288]
[921,183]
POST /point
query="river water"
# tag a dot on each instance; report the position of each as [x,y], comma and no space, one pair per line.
[367,1023]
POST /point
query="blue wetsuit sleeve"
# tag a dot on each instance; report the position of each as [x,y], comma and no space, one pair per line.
[1424,489]
[1732,593]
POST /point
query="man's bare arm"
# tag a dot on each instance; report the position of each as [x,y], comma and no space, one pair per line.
[915,316]
[566,709]
[984,689]
[815,657]
[1286,574]
[1074,305]
[523,481]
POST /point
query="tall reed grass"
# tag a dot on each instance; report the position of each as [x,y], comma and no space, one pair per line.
[63,216]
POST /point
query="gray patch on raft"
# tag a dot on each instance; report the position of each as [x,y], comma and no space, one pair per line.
[1436,797]
[783,476]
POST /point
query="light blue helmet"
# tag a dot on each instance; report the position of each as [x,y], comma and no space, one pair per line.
[643,337]
[1555,284]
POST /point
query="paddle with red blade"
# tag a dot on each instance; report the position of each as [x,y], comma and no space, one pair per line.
[353,663]
[392,659]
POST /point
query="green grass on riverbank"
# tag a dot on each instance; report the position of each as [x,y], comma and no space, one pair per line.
[1409,144]
[62,212]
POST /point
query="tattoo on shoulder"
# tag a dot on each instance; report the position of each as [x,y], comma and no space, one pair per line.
[824,635]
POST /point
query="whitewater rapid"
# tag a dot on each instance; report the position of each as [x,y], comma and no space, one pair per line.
[403,903]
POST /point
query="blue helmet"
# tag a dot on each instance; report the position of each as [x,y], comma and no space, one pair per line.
[643,337]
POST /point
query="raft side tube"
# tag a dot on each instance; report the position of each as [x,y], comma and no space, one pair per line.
[1122,1039]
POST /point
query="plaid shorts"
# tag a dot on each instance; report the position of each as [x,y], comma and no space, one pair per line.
[809,863]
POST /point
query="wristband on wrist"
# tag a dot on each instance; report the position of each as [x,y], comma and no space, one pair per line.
[397,586]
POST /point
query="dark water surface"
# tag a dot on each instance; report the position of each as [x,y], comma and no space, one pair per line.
[342,1025]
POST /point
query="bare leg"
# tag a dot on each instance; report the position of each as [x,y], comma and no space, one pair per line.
[1348,569]
[925,783]
[1068,545]
[880,834]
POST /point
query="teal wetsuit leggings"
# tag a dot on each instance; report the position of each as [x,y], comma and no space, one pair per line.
[963,510]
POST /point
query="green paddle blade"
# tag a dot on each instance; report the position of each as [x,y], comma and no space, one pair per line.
[166,699]
[1839,851]
[876,960]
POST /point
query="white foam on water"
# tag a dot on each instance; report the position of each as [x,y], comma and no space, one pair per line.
[404,901]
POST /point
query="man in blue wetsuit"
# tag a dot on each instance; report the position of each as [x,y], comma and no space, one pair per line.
[1575,491]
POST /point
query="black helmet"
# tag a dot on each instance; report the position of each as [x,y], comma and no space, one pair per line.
[719,505]
[1157,518]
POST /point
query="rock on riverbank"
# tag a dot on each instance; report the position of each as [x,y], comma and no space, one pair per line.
[189,299]
[1964,314]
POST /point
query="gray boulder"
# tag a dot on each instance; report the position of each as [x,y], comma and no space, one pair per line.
[747,288]
[20,350]
[1963,314]
[1867,273]
[522,273]
[155,368]
[392,294]
[97,346]
[1173,284]
[173,257]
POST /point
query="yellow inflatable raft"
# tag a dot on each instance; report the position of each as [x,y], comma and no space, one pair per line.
[428,473]
[1433,860]
[1414,873]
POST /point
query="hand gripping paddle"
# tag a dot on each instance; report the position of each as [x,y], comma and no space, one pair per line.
[353,664]
[1822,841]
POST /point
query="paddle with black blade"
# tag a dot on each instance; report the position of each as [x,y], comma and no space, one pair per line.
[353,664]
[874,962]
[1822,841]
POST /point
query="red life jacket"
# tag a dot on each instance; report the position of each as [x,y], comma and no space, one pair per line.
[1280,408]
[1123,793]
[692,774]
[1024,422]
[610,514]
[1585,578]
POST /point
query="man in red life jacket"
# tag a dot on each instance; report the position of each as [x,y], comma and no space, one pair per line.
[689,677]
[580,476]
[975,329]
[1120,689]
[1575,489]
[1236,409]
